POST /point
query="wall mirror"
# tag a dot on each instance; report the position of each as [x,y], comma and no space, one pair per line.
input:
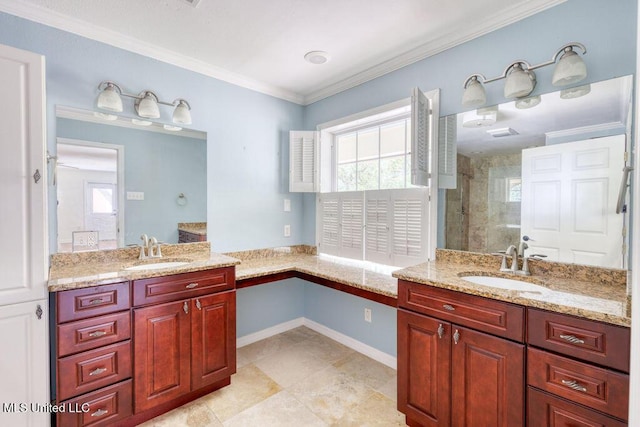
[117,178]
[546,171]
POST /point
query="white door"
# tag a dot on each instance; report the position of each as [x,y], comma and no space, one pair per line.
[569,195]
[23,251]
[101,209]
[24,367]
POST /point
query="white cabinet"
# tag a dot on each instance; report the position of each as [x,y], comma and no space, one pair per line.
[23,242]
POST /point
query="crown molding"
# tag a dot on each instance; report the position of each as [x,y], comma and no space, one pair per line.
[455,37]
[62,22]
[603,127]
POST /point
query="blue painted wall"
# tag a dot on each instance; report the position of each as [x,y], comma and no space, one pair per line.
[160,165]
[247,144]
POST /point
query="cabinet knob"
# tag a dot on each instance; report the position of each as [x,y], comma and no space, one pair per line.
[572,339]
[99,413]
[456,337]
[198,304]
[185,307]
[440,331]
[97,371]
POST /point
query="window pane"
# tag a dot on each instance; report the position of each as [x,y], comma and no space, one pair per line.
[392,172]
[102,200]
[392,139]
[368,175]
[347,148]
[347,177]
[368,147]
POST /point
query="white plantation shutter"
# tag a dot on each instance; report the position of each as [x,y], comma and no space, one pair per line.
[351,224]
[377,226]
[419,138]
[303,161]
[409,227]
[447,152]
[329,223]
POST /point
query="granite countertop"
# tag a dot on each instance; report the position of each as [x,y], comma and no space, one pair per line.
[592,299]
[193,227]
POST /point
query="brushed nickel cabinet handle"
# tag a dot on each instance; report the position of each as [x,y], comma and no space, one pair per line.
[99,413]
[456,337]
[185,307]
[449,307]
[572,339]
[198,304]
[573,384]
[95,301]
[97,371]
[440,331]
[97,334]
[192,285]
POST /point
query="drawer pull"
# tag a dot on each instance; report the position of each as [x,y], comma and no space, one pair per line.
[456,337]
[198,304]
[97,334]
[572,339]
[192,285]
[99,413]
[95,301]
[572,384]
[449,307]
[97,371]
[440,331]
[185,307]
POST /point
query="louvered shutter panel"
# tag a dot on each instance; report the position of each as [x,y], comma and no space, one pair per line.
[329,235]
[377,217]
[419,138]
[351,224]
[303,161]
[447,152]
[409,241]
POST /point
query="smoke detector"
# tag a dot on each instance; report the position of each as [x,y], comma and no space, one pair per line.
[317,57]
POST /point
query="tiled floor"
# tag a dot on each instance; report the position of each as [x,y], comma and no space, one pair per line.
[299,378]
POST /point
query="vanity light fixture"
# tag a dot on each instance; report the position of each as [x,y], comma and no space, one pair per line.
[146,103]
[530,102]
[520,80]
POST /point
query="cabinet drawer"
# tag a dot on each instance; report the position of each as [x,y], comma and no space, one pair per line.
[601,389]
[180,286]
[99,408]
[495,317]
[545,410]
[91,333]
[93,369]
[88,302]
[601,343]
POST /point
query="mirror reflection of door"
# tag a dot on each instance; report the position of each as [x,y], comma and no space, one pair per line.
[89,190]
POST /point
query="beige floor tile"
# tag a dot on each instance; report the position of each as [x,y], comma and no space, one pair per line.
[390,389]
[194,414]
[325,348]
[331,394]
[376,411]
[280,410]
[248,387]
[366,370]
[291,365]
[300,334]
[264,348]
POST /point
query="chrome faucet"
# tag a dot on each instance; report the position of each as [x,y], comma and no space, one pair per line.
[144,246]
[150,248]
[512,251]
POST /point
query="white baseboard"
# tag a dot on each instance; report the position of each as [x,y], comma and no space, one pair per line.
[360,347]
[269,332]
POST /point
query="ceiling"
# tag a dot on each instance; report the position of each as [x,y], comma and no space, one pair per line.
[261,44]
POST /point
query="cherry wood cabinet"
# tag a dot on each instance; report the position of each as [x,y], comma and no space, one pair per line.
[450,374]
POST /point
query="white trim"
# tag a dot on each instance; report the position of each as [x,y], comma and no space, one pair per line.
[367,116]
[360,347]
[269,332]
[454,37]
[585,129]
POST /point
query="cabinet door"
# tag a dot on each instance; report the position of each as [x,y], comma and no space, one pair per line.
[487,381]
[424,382]
[23,249]
[23,367]
[162,343]
[213,337]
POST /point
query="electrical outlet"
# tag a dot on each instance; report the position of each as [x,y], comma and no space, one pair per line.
[367,315]
[287,230]
[287,205]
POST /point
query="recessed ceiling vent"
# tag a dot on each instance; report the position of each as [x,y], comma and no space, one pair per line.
[502,132]
[193,3]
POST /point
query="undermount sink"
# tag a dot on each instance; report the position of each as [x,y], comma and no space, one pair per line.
[157,265]
[505,283]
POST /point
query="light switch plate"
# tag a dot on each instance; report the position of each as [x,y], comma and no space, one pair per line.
[287,205]
[287,231]
[135,195]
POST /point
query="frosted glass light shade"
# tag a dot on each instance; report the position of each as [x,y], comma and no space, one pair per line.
[147,107]
[474,94]
[182,114]
[570,69]
[109,99]
[519,83]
